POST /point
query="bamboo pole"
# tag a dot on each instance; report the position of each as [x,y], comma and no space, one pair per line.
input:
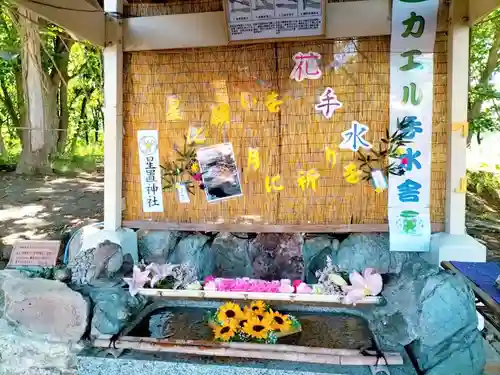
[290,353]
[247,296]
[251,346]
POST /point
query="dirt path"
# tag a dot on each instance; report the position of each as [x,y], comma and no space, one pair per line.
[47,207]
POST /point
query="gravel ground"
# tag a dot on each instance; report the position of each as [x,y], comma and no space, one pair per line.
[47,207]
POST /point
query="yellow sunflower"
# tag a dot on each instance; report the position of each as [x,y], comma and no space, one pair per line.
[258,307]
[225,331]
[248,312]
[278,322]
[256,328]
[229,311]
[243,320]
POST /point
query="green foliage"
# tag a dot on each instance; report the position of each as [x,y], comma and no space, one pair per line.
[484,97]
[84,158]
[85,96]
[483,182]
[79,79]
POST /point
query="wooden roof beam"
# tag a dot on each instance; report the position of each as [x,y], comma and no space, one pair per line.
[478,9]
[83,19]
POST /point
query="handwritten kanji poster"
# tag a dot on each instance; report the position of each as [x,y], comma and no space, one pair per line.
[411,101]
[274,19]
[149,162]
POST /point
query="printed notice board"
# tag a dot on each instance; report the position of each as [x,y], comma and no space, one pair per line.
[34,253]
[250,20]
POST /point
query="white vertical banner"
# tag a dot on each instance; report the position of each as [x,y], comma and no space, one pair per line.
[149,162]
[413,36]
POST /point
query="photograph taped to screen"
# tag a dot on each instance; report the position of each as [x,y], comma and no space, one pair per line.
[219,172]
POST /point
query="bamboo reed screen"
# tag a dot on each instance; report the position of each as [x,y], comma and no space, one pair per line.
[291,140]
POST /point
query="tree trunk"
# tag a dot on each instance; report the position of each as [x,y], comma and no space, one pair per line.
[3,150]
[470,117]
[96,128]
[9,105]
[38,132]
[63,118]
[63,49]
[78,127]
[469,138]
[21,108]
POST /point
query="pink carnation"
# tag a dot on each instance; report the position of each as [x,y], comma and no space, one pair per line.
[210,286]
[286,286]
[303,288]
[296,283]
[246,284]
[209,278]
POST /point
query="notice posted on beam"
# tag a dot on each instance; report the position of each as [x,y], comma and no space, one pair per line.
[265,20]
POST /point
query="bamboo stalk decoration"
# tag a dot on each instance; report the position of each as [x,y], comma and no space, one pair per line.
[180,171]
[389,149]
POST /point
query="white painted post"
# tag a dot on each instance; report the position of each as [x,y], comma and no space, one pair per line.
[113,118]
[458,90]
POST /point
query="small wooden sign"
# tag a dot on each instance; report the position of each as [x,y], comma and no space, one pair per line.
[34,253]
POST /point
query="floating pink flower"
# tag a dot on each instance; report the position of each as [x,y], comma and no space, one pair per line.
[246,284]
[210,286]
[296,283]
[370,284]
[303,288]
[209,278]
[286,286]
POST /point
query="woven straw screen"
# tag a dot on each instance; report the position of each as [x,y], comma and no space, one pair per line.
[293,139]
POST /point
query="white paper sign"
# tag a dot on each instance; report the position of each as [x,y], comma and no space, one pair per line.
[271,19]
[182,193]
[149,156]
[378,179]
[411,99]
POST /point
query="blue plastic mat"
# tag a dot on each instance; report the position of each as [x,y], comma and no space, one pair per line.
[483,275]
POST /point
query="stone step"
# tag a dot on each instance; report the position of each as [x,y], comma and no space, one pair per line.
[134,362]
[492,366]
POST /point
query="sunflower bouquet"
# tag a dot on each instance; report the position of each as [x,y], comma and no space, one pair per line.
[256,322]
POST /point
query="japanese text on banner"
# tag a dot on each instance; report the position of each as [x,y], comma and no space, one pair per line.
[414,24]
[152,199]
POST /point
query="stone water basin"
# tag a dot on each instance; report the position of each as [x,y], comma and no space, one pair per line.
[322,326]
[325,329]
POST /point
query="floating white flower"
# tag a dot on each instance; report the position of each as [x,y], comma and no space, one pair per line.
[138,279]
[370,284]
[160,272]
